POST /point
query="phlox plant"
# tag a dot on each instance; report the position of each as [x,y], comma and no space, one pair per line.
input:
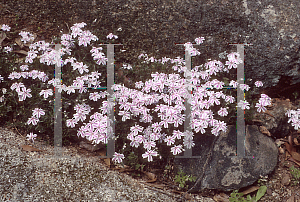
[146,133]
[169,114]
[72,68]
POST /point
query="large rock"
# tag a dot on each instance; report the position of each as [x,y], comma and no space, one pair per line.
[271,26]
[225,171]
[155,26]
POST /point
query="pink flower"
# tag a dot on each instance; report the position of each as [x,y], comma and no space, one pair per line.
[176,149]
[177,134]
[149,144]
[188,142]
[147,118]
[80,131]
[110,36]
[156,127]
[154,136]
[231,64]
[103,137]
[223,112]
[289,113]
[94,96]
[139,84]
[79,116]
[234,57]
[243,104]
[296,124]
[169,140]
[31,136]
[244,87]
[260,107]
[149,155]
[229,99]
[118,157]
[5,27]
[233,83]
[265,100]
[199,40]
[141,138]
[194,123]
[135,142]
[130,136]
[24,93]
[38,112]
[33,120]
[221,125]
[46,93]
[135,129]
[258,83]
[71,122]
[7,49]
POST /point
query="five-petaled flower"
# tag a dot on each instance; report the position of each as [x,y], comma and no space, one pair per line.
[169,140]
[5,27]
[260,107]
[199,40]
[149,155]
[176,149]
[223,112]
[118,157]
[243,104]
[188,143]
[31,136]
[37,112]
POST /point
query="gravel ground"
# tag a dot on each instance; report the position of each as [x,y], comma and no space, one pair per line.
[31,176]
[39,176]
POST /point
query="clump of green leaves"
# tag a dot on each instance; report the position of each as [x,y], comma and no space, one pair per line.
[237,197]
[133,162]
[296,175]
[181,178]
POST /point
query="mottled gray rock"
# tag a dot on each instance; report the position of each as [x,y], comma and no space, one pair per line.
[226,171]
[271,26]
[153,27]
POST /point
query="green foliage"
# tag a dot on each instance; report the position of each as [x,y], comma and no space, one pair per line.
[181,178]
[237,197]
[295,94]
[133,161]
[296,175]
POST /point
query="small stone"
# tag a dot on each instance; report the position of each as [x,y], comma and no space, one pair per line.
[269,191]
[285,179]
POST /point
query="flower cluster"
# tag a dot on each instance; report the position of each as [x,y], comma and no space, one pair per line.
[202,117]
[171,89]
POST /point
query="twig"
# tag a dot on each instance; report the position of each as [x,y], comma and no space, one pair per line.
[17,129]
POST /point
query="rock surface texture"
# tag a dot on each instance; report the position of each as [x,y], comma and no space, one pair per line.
[226,171]
[153,27]
[31,176]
